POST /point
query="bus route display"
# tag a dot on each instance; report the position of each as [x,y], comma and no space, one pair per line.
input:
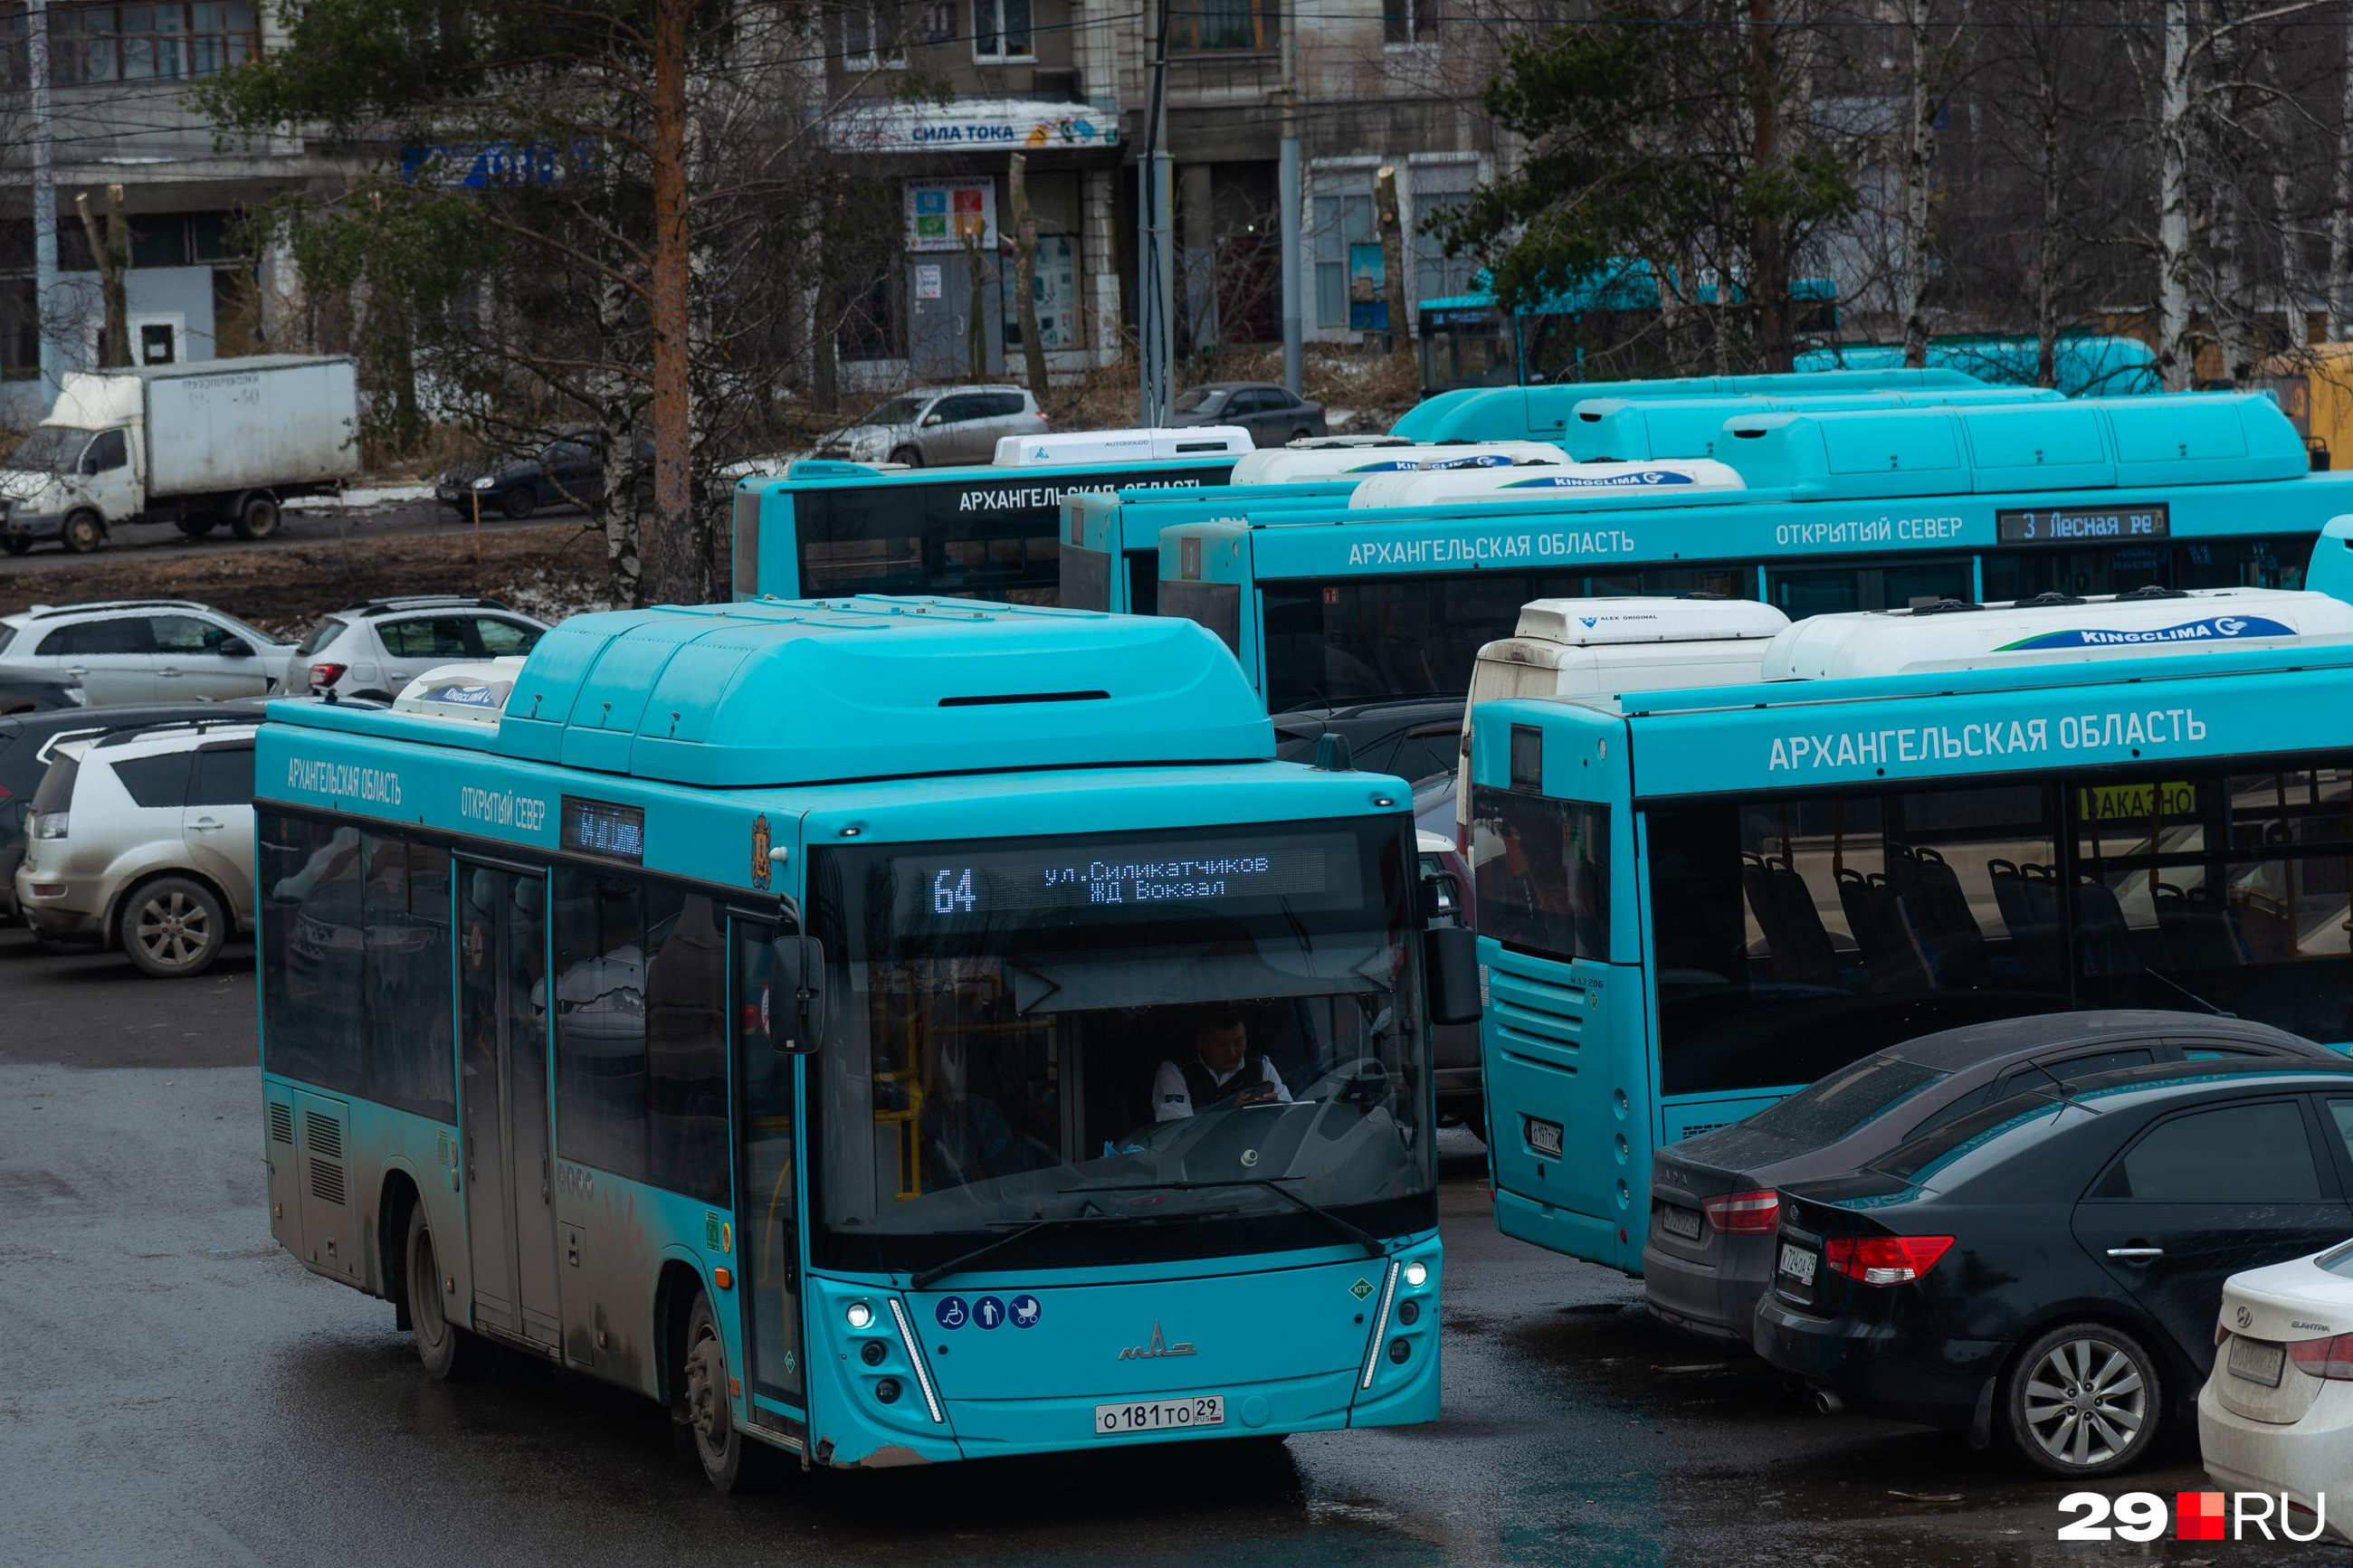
[2084,524]
[600,828]
[1192,875]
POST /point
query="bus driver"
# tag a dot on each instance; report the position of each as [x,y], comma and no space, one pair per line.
[1223,1071]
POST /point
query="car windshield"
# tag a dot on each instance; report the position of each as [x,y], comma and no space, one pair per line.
[51,449]
[1201,400]
[1852,1097]
[1192,1040]
[897,411]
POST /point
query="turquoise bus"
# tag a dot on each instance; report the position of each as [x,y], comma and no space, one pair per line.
[1691,903]
[1628,430]
[876,1030]
[2083,364]
[987,532]
[1545,413]
[1843,512]
[1607,323]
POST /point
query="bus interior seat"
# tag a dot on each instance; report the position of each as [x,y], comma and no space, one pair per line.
[2197,933]
[2028,896]
[1793,928]
[2102,932]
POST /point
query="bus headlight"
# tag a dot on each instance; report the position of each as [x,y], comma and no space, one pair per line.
[1417,1273]
[858,1315]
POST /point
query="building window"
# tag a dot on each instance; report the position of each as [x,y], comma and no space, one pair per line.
[1226,26]
[1000,30]
[1439,188]
[1409,21]
[148,43]
[20,331]
[1347,249]
[874,35]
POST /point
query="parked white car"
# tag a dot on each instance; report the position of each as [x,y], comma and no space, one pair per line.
[2277,1414]
[374,650]
[143,650]
[144,840]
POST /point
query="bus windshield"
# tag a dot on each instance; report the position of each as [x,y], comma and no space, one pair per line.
[1163,1045]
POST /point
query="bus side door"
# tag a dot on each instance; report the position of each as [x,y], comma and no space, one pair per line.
[768,1181]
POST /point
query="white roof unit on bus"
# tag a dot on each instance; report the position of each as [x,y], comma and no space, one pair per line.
[1596,623]
[471,693]
[2053,629]
[1121,446]
[1678,475]
[1304,463]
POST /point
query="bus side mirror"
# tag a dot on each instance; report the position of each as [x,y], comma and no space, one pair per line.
[1450,961]
[796,994]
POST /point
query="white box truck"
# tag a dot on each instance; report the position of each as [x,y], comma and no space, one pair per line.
[197,445]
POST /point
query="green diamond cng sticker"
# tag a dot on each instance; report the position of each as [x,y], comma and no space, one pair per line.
[1361,1288]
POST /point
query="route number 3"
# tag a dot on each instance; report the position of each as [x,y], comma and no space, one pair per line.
[2139,1516]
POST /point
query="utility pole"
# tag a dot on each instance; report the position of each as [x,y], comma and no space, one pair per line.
[45,197]
[1156,215]
[1287,195]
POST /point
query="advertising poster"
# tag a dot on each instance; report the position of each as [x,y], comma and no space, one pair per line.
[942,214]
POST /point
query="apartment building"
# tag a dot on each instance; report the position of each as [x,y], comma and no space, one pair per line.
[1066,84]
[119,76]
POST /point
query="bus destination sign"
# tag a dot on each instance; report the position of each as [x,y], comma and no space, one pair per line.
[2084,524]
[1068,878]
[602,829]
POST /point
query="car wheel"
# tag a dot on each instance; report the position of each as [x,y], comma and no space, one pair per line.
[197,527]
[16,544]
[1299,435]
[519,503]
[451,1353]
[910,456]
[2083,1400]
[172,928]
[257,519]
[83,533]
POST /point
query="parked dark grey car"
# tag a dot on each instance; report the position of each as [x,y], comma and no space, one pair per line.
[566,472]
[1269,413]
[1715,1206]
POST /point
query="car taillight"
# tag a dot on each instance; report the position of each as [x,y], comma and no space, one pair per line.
[2220,1333]
[1042,416]
[6,794]
[1743,1214]
[1885,1259]
[50,823]
[2328,1360]
[327,674]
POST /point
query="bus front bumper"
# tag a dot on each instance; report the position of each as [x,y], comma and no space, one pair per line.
[1282,1343]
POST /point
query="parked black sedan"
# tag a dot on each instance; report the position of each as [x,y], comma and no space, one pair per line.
[1271,415]
[566,472]
[34,694]
[1713,1212]
[2047,1272]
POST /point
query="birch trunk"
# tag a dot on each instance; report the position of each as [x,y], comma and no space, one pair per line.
[2173,347]
[1919,163]
[1025,274]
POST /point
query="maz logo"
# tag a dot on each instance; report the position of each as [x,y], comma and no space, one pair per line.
[1157,1348]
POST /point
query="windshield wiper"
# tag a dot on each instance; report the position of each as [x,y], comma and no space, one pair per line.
[925,1278]
[1353,1231]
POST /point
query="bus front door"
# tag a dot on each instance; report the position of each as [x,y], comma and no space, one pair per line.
[502,1100]
[767,1198]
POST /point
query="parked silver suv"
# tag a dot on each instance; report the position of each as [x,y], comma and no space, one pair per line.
[142,650]
[939,424]
[373,649]
[144,840]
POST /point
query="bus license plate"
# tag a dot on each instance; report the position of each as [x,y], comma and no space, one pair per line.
[1544,1137]
[1160,1416]
[1797,1264]
[1677,1220]
[2257,1362]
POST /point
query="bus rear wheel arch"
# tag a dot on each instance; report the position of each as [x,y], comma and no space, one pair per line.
[450,1353]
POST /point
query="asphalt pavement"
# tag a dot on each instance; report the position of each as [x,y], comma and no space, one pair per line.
[174,1389]
[300,524]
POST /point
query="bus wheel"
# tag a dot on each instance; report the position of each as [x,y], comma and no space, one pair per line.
[450,1354]
[711,1423]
